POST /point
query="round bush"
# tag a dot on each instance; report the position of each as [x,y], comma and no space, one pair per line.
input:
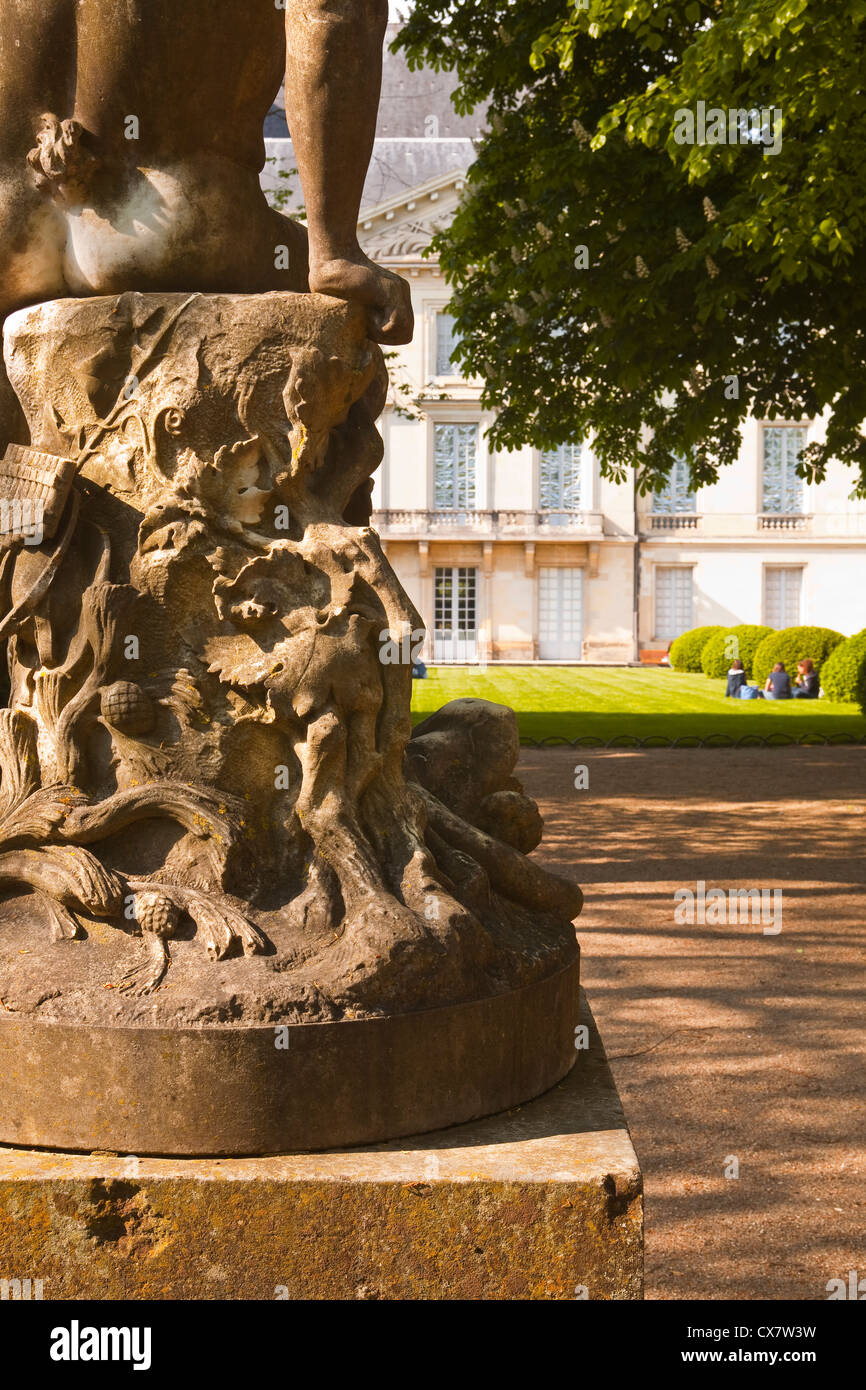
[717,655]
[686,651]
[844,676]
[791,645]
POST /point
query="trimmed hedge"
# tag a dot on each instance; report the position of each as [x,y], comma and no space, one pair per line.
[791,645]
[685,653]
[844,676]
[717,655]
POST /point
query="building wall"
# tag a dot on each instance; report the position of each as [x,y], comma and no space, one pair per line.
[420,159]
[727,545]
[730,550]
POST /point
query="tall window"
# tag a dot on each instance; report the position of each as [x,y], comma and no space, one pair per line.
[446,342]
[783,490]
[677,496]
[455,614]
[560,613]
[560,479]
[782,593]
[455,451]
[674,601]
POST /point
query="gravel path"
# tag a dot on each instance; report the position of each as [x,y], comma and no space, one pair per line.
[728,1043]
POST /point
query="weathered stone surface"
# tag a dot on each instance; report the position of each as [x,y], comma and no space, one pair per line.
[541,1203]
[219,1090]
[206,820]
[237,770]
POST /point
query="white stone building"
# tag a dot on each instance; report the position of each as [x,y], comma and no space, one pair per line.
[533,556]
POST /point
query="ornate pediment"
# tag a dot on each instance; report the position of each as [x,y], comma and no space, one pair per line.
[402,229]
[400,239]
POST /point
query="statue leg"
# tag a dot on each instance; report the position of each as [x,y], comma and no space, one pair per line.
[333,80]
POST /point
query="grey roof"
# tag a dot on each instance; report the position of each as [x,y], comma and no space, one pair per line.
[411,101]
[397,166]
[414,105]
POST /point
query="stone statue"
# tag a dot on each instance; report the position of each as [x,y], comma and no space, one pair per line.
[212,814]
[131,146]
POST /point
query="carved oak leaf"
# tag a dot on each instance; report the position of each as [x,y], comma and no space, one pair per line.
[275,585]
[240,661]
[171,524]
[229,486]
[68,875]
[39,815]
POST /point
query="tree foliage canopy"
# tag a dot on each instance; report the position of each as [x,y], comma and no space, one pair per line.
[720,280]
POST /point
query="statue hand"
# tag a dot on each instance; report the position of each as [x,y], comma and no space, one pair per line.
[356,278]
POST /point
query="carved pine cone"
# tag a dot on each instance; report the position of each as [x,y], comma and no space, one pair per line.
[128,708]
[156,913]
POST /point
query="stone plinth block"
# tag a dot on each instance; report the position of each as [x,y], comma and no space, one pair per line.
[543,1202]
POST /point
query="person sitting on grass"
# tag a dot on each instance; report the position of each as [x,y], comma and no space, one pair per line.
[778,686]
[750,692]
[807,682]
[736,678]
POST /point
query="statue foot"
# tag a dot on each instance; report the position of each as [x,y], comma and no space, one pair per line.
[387,297]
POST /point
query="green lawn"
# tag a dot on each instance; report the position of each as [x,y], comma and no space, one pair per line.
[568,702]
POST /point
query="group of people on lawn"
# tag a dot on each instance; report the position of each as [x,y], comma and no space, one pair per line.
[807,686]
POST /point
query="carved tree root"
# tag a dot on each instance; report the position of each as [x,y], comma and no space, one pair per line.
[515,875]
[203,813]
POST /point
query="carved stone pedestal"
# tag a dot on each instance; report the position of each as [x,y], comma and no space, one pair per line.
[544,1202]
[239,913]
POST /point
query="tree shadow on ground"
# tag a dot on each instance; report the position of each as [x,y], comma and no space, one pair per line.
[726,1043]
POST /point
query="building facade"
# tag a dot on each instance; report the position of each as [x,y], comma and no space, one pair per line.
[532,555]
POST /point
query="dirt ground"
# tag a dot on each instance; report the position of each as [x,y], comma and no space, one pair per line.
[727,1043]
